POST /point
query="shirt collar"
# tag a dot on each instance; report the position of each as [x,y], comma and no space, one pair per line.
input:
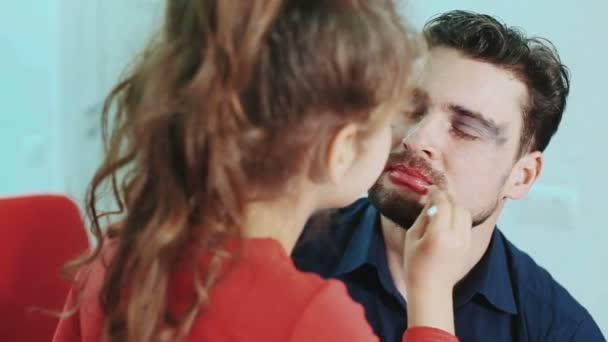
[490,278]
[365,218]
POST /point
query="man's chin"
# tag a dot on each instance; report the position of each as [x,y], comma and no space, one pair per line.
[398,205]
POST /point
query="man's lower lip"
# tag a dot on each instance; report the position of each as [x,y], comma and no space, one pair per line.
[415,184]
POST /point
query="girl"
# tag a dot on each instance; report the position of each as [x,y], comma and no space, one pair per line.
[241,119]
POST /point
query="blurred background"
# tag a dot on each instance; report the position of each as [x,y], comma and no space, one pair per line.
[61,57]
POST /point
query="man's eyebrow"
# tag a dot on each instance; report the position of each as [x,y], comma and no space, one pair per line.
[420,97]
[494,130]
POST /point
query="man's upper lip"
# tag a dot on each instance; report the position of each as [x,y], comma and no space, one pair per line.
[412,171]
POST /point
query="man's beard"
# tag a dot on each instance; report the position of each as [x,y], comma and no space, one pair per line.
[403,208]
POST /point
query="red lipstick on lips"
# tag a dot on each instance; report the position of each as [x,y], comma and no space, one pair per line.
[409,177]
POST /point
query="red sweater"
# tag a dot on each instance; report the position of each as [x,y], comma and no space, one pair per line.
[262,298]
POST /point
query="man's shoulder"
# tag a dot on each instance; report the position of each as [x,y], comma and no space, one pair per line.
[541,299]
[535,284]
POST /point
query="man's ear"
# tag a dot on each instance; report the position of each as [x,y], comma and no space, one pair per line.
[341,152]
[524,174]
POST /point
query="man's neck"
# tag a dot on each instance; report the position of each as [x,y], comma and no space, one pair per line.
[394,240]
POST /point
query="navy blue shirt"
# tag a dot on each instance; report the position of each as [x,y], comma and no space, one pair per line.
[505,297]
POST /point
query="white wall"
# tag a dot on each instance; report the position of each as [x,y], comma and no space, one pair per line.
[30,120]
[99,40]
[562,223]
[59,59]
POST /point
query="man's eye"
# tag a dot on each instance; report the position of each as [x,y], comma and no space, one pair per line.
[464,132]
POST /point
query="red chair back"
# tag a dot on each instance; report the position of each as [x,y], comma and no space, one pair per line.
[39,233]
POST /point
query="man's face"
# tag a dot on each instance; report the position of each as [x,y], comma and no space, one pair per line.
[461,135]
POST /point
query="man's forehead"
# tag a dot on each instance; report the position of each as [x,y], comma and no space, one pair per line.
[478,86]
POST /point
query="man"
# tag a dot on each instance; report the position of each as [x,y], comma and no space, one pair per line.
[484,112]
